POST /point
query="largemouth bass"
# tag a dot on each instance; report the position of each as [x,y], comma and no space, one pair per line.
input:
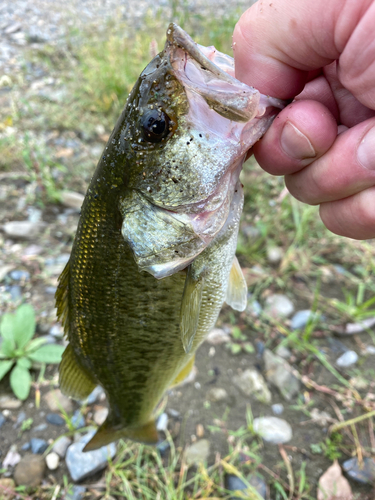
[154,255]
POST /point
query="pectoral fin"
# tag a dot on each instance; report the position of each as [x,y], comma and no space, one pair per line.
[190,307]
[73,379]
[237,288]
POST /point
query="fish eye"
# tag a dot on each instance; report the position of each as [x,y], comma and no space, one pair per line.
[155,125]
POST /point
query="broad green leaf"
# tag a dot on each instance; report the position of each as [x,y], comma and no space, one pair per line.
[50,353]
[7,348]
[5,366]
[24,363]
[20,381]
[235,348]
[7,326]
[24,325]
[35,344]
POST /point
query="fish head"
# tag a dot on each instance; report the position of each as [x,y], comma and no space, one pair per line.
[187,127]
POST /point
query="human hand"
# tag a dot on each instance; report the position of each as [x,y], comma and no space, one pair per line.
[323,52]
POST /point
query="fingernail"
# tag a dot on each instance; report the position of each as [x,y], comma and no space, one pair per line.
[366,150]
[295,144]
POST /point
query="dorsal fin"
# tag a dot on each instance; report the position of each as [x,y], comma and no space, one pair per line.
[61,297]
[237,288]
[190,307]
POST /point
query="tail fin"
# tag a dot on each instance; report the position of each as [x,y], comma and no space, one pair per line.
[107,433]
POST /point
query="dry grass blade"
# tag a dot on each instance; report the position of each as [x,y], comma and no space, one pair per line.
[289,469]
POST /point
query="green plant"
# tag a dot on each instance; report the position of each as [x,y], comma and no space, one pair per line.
[19,352]
[239,343]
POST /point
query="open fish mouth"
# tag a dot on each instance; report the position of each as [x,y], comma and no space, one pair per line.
[224,118]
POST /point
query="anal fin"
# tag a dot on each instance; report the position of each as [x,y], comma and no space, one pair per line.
[190,306]
[237,288]
[184,372]
[106,434]
[74,380]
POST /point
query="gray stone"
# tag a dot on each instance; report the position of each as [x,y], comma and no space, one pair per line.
[72,199]
[56,330]
[253,307]
[217,394]
[273,430]
[279,373]
[20,418]
[275,255]
[361,326]
[283,352]
[56,400]
[78,420]
[278,306]
[217,336]
[100,415]
[251,383]
[40,428]
[235,484]
[197,452]
[8,403]
[15,292]
[55,419]
[52,460]
[301,318]
[347,359]
[362,473]
[277,408]
[12,458]
[23,230]
[75,493]
[25,446]
[97,394]
[38,446]
[19,275]
[30,471]
[61,445]
[162,422]
[370,349]
[84,464]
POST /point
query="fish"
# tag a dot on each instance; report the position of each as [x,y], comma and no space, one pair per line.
[153,258]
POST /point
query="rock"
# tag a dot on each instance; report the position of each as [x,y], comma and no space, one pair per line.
[162,422]
[8,403]
[217,336]
[301,318]
[277,409]
[274,255]
[97,394]
[84,464]
[78,420]
[40,428]
[273,430]
[75,493]
[56,331]
[20,418]
[2,420]
[162,447]
[11,458]
[361,326]
[100,415]
[4,270]
[217,394]
[251,382]
[56,400]
[253,307]
[12,28]
[279,373]
[278,306]
[23,230]
[55,419]
[15,292]
[347,359]
[38,446]
[362,473]
[25,446]
[52,460]
[7,486]
[359,383]
[72,199]
[61,445]
[197,452]
[283,352]
[30,471]
[235,484]
[321,418]
[370,349]
[19,275]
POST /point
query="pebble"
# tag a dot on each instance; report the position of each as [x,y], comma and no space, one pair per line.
[162,423]
[279,373]
[362,473]
[370,349]
[19,275]
[277,408]
[11,458]
[24,230]
[197,452]
[234,483]
[301,318]
[72,199]
[273,429]
[20,418]
[275,255]
[40,428]
[7,486]
[97,394]
[253,307]
[347,359]
[162,447]
[56,331]
[100,415]
[217,394]
[84,464]
[61,445]
[30,471]
[9,403]
[278,306]
[251,382]
[25,446]
[361,326]
[78,420]
[15,292]
[38,446]
[52,460]
[2,420]
[55,419]
[75,493]
[283,351]
[56,400]
[217,336]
